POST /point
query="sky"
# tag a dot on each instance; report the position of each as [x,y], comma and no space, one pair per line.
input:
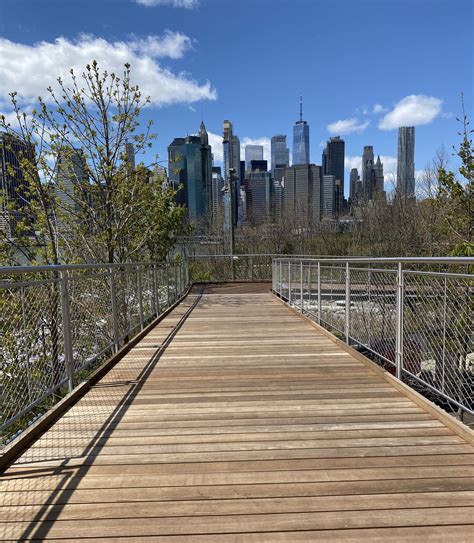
[363,67]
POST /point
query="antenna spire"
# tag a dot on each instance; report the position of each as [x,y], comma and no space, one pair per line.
[301,107]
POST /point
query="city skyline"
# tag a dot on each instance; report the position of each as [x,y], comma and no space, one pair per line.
[175,59]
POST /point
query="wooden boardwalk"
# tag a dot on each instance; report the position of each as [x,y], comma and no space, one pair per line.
[236,420]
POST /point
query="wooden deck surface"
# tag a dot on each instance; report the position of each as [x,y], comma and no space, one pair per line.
[245,424]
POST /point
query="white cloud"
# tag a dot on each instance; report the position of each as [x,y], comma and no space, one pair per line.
[413,110]
[265,142]
[353,162]
[389,164]
[347,126]
[171,45]
[215,141]
[31,69]
[187,4]
[378,108]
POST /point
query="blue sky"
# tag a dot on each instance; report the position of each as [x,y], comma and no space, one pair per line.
[363,67]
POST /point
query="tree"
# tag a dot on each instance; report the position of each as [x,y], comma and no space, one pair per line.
[84,199]
[456,195]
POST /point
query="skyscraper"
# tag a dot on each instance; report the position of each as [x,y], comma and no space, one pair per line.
[367,167]
[190,165]
[280,154]
[328,197]
[302,194]
[406,161]
[253,152]
[301,140]
[14,188]
[353,185]
[258,195]
[71,173]
[378,179]
[333,162]
[217,194]
[372,175]
[231,144]
[129,154]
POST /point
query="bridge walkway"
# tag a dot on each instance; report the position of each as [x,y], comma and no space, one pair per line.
[236,420]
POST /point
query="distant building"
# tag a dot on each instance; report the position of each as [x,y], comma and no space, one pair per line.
[328,197]
[231,144]
[253,152]
[280,154]
[378,179]
[372,176]
[333,164]
[301,140]
[71,173]
[258,185]
[129,155]
[354,178]
[406,161]
[190,166]
[302,194]
[278,192]
[14,187]
[258,166]
[367,168]
[217,193]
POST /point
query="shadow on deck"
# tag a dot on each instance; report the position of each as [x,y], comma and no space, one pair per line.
[234,419]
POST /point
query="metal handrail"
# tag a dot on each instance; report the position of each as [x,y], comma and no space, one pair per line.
[67,267]
[56,324]
[406,317]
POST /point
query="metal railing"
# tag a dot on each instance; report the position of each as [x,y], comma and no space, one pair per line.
[412,315]
[237,267]
[58,322]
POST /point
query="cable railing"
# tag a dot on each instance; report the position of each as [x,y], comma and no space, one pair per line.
[57,323]
[238,267]
[414,316]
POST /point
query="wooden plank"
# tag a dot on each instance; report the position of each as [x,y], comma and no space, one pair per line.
[265,523]
[249,423]
[249,506]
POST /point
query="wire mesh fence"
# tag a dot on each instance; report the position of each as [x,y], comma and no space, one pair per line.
[413,316]
[57,324]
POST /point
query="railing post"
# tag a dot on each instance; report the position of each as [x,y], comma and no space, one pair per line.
[156,292]
[251,269]
[140,297]
[66,321]
[113,299]
[167,285]
[309,286]
[289,281]
[399,311]
[281,284]
[348,303]
[301,286]
[176,285]
[319,292]
[151,282]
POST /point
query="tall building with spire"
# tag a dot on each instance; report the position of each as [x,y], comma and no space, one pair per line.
[406,161]
[301,139]
[372,176]
[378,179]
